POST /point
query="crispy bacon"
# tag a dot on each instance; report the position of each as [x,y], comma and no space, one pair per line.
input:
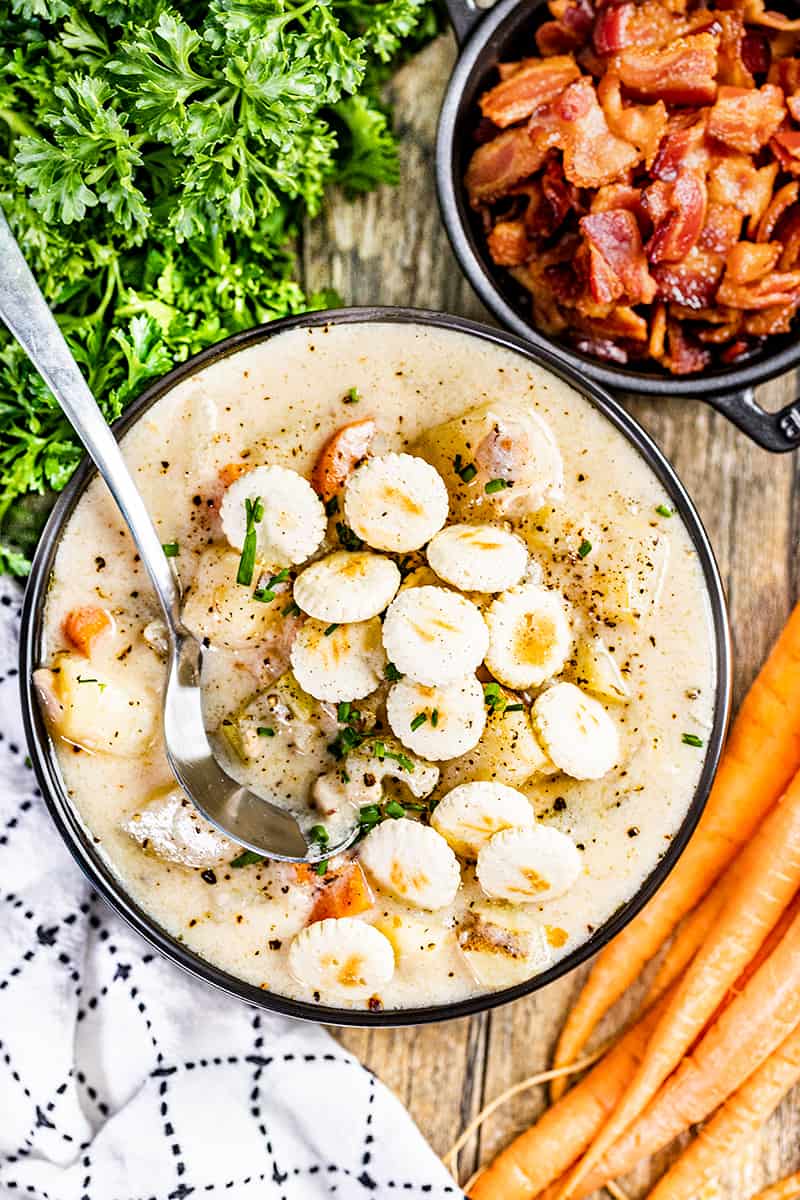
[746,118]
[508,243]
[779,287]
[576,123]
[617,263]
[497,165]
[639,178]
[681,73]
[535,82]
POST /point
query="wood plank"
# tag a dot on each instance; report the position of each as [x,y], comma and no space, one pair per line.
[390,248]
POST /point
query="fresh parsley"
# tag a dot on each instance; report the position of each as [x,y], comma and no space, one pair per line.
[254,514]
[156,163]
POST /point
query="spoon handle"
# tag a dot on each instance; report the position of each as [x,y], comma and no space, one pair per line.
[24,310]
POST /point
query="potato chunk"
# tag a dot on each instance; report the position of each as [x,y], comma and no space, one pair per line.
[224,611]
[90,708]
[502,946]
[508,752]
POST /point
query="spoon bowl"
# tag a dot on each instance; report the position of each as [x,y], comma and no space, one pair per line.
[253,821]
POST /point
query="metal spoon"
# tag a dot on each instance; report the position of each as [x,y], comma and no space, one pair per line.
[247,818]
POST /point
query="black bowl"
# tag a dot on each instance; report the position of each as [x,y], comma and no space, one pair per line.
[505,32]
[80,841]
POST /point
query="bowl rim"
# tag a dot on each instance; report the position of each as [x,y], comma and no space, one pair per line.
[78,838]
[452,204]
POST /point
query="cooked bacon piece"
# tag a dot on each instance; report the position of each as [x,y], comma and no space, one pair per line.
[749,261]
[684,356]
[790,239]
[509,244]
[552,38]
[746,118]
[785,73]
[793,105]
[783,199]
[642,125]
[576,123]
[622,322]
[658,331]
[692,282]
[681,73]
[617,263]
[756,52]
[732,69]
[786,148]
[722,229]
[779,287]
[559,196]
[777,319]
[739,349]
[684,213]
[732,179]
[621,195]
[498,165]
[682,149]
[605,348]
[620,25]
[755,14]
[718,335]
[575,15]
[537,81]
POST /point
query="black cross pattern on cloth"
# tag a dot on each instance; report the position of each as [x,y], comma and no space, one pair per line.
[121,1078]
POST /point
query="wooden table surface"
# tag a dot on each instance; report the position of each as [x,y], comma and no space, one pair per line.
[390,248]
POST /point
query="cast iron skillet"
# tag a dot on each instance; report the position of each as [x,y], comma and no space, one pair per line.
[80,842]
[506,32]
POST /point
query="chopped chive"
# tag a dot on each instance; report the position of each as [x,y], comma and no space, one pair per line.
[352,396]
[331,629]
[394,809]
[664,510]
[380,751]
[370,814]
[331,506]
[435,717]
[171,549]
[514,707]
[343,711]
[319,834]
[584,548]
[265,731]
[322,867]
[402,760]
[291,610]
[265,595]
[86,679]
[497,485]
[494,698]
[247,858]
[391,672]
[419,719]
[691,739]
[254,513]
[465,471]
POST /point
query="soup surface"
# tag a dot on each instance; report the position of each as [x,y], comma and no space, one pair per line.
[488,644]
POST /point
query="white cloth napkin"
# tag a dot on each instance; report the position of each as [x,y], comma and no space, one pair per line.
[121,1078]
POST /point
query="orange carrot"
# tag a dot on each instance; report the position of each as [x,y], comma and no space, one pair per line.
[83,625]
[733,1126]
[233,471]
[688,940]
[346,895]
[787,1189]
[337,458]
[749,1030]
[765,879]
[564,1131]
[761,756]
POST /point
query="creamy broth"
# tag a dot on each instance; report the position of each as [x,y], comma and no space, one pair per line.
[276,403]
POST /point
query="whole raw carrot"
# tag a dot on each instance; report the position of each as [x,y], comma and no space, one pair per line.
[688,940]
[748,1031]
[763,883]
[761,756]
[787,1189]
[726,1136]
[562,1133]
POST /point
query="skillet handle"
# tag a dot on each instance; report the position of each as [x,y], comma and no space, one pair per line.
[778,431]
[464,15]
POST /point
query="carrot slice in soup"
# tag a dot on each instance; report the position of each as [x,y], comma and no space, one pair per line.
[83,625]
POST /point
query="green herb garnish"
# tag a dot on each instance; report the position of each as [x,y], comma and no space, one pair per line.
[265,731]
[347,539]
[465,471]
[664,510]
[352,396]
[394,809]
[322,867]
[584,548]
[418,720]
[291,610]
[319,834]
[691,739]
[391,673]
[331,629]
[248,858]
[496,485]
[331,506]
[266,594]
[514,708]
[434,717]
[86,679]
[254,514]
[171,549]
[493,697]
